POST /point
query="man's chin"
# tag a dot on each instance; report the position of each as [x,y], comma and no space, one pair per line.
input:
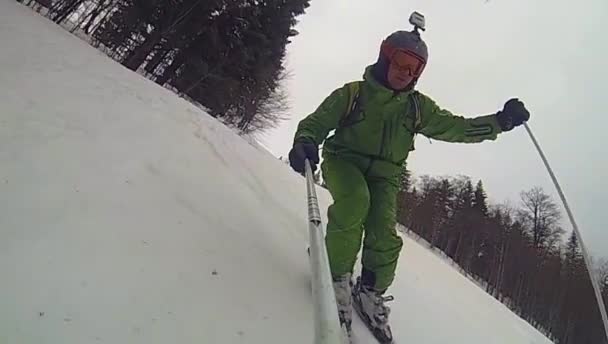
[400,86]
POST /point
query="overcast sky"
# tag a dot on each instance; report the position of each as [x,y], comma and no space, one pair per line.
[552,54]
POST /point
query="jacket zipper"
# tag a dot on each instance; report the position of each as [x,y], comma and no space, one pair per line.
[383,138]
[371,160]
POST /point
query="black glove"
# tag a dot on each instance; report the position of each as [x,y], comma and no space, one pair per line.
[512,115]
[303,149]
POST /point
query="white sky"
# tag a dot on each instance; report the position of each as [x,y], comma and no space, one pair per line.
[552,54]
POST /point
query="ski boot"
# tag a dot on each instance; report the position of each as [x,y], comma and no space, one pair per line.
[370,305]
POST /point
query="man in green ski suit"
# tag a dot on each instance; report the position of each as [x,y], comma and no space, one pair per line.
[375,122]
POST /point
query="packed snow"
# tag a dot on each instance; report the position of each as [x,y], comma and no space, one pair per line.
[128,215]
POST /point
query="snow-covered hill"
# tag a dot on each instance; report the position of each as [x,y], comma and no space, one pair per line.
[129,216]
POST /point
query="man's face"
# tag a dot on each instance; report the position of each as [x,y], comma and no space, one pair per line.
[398,78]
[402,70]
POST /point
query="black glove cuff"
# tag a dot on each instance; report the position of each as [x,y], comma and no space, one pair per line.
[304,140]
[504,121]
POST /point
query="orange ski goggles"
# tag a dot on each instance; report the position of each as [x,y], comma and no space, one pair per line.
[404,60]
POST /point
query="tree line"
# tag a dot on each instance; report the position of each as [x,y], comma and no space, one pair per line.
[226,55]
[520,252]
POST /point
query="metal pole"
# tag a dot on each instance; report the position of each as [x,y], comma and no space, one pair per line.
[594,282]
[326,321]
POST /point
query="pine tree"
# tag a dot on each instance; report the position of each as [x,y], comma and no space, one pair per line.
[459,224]
[225,55]
[574,257]
[480,201]
[405,179]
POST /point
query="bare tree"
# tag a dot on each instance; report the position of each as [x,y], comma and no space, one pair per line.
[272,111]
[542,214]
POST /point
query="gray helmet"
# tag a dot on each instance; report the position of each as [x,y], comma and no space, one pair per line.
[407,40]
[410,41]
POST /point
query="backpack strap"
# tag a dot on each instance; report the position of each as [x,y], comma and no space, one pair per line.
[354,105]
[353,101]
[415,104]
[415,108]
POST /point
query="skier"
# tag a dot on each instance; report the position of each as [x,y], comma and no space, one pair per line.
[375,122]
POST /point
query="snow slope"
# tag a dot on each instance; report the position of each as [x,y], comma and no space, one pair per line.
[129,216]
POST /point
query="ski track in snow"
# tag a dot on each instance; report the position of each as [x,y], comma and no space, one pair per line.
[127,215]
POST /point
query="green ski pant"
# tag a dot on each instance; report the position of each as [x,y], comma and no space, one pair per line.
[362,204]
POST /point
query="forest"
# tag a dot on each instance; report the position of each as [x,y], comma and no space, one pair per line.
[521,254]
[226,55]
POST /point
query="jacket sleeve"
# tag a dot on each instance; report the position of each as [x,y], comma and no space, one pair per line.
[326,117]
[441,124]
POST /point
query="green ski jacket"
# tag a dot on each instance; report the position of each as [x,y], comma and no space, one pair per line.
[378,125]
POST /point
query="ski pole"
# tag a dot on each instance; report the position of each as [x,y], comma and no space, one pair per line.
[594,282]
[326,323]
